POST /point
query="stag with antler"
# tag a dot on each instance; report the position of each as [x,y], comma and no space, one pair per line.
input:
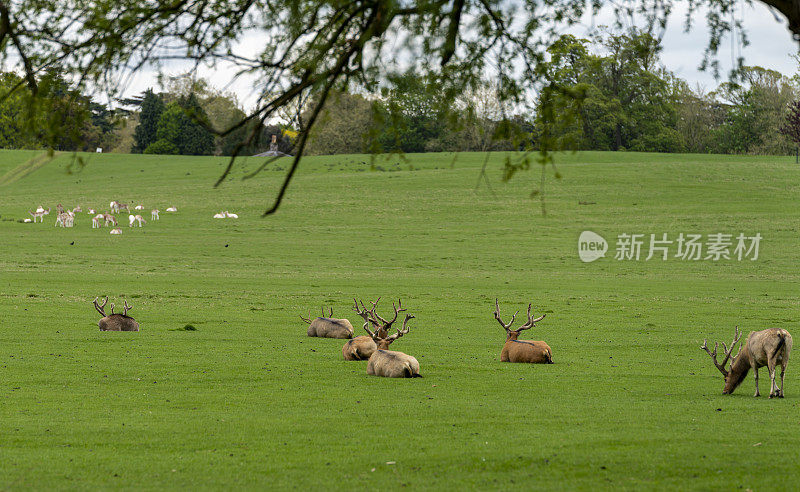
[115,321]
[514,350]
[762,348]
[382,362]
[328,326]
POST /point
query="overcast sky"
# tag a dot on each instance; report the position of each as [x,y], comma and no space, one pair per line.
[770,46]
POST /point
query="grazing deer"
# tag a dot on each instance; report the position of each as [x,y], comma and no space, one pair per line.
[62,220]
[172,209]
[109,219]
[131,220]
[762,348]
[96,221]
[116,231]
[328,327]
[514,350]
[60,209]
[114,206]
[39,214]
[115,321]
[140,220]
[154,214]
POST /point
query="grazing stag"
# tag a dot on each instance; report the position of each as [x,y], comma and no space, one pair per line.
[154,214]
[762,348]
[115,321]
[328,327]
[514,350]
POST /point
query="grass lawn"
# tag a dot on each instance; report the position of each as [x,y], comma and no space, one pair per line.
[249,401]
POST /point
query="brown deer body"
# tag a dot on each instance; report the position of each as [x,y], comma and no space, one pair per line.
[768,347]
[359,348]
[528,351]
[383,362]
[328,327]
[115,321]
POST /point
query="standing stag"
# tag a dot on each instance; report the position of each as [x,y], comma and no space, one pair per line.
[530,351]
[762,348]
[328,327]
[115,321]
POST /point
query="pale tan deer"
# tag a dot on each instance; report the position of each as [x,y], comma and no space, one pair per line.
[389,363]
[115,321]
[529,351]
[762,348]
[328,327]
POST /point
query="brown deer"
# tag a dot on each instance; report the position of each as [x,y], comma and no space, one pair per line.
[530,351]
[362,347]
[762,348]
[115,321]
[328,327]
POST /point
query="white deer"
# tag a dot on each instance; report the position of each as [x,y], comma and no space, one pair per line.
[230,215]
[220,215]
[172,209]
[116,231]
[139,207]
[96,221]
[140,220]
[154,214]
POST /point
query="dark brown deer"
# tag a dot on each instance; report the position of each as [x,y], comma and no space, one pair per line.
[514,350]
[328,327]
[115,321]
[762,348]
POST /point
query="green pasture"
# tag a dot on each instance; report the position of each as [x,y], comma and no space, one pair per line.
[247,401]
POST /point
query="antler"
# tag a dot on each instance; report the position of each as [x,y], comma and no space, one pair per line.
[497,316]
[728,351]
[531,321]
[126,308]
[402,332]
[369,315]
[371,334]
[307,320]
[323,312]
[112,309]
[387,324]
[100,308]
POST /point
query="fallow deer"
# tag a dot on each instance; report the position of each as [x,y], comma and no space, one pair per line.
[109,219]
[328,327]
[529,351]
[219,215]
[154,214]
[140,220]
[762,348]
[229,215]
[39,214]
[172,209]
[115,321]
[116,230]
[96,221]
[139,207]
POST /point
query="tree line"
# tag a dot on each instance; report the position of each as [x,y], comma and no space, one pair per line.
[607,92]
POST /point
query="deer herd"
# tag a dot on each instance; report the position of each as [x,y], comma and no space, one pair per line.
[66,218]
[770,347]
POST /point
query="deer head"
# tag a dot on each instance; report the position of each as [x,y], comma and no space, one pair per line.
[371,317]
[730,383]
[383,342]
[514,334]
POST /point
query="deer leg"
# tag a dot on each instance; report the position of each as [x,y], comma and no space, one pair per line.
[755,376]
[783,373]
[773,388]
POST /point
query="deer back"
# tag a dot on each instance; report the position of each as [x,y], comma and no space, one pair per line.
[391,364]
[118,322]
[330,328]
[529,351]
[359,348]
[765,344]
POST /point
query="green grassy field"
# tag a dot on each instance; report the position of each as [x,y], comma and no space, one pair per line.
[248,401]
